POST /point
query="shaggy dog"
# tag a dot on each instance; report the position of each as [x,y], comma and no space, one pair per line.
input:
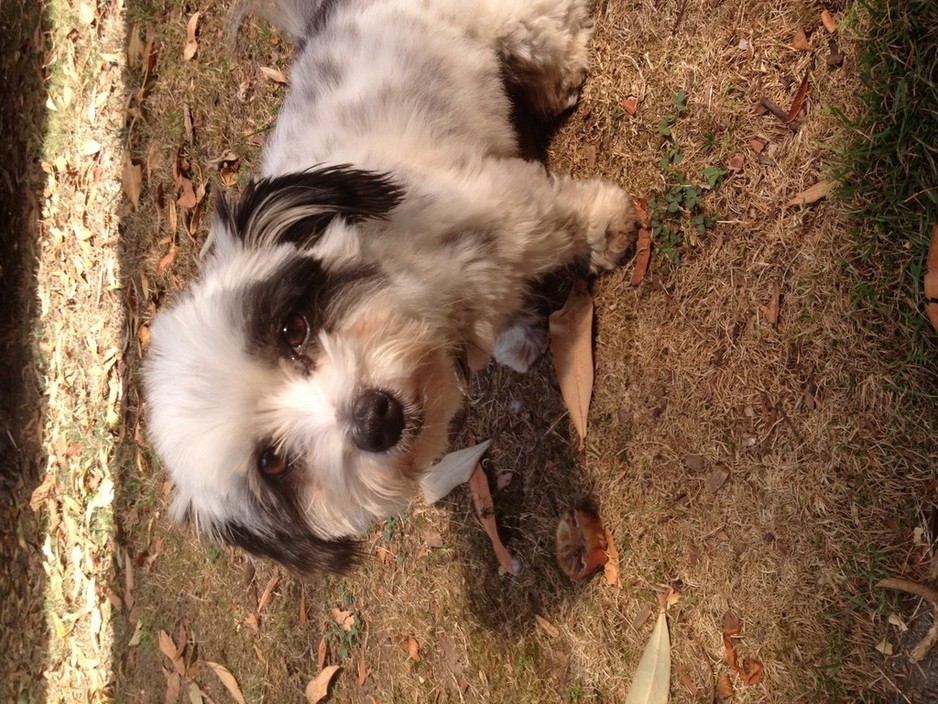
[304,387]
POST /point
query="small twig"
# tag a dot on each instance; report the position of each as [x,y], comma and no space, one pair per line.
[780,114]
[680,16]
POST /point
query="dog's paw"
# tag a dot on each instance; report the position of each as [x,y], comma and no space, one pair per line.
[613,228]
[522,344]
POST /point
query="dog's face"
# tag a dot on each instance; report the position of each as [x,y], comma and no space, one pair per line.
[297,391]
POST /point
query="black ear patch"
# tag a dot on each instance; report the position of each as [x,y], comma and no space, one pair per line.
[297,207]
[296,548]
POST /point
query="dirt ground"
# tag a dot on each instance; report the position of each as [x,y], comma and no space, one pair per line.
[776,465]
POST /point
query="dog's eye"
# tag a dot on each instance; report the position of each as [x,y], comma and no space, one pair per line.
[294,330]
[273,464]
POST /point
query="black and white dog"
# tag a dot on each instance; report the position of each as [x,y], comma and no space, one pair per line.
[305,385]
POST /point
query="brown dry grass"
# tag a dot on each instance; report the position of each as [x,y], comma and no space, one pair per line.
[823,433]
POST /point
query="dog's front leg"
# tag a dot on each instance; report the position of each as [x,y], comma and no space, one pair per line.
[545,220]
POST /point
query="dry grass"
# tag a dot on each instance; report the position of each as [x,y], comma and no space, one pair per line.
[822,430]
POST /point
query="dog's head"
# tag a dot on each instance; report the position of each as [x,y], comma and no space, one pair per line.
[298,390]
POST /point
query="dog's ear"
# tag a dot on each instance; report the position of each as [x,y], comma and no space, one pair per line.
[298,207]
[298,548]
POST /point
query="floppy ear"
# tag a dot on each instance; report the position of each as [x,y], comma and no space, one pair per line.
[298,207]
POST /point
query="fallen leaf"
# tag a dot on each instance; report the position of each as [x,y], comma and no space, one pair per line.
[835,59]
[571,331]
[173,686]
[132,181]
[413,649]
[268,590]
[169,649]
[303,617]
[274,74]
[687,681]
[695,463]
[757,145]
[321,655]
[931,279]
[751,671]
[830,24]
[735,163]
[227,679]
[549,628]
[652,681]
[149,64]
[724,686]
[580,543]
[485,510]
[166,260]
[454,469]
[798,102]
[134,47]
[717,479]
[641,616]
[642,246]
[318,687]
[192,42]
[630,105]
[194,693]
[611,568]
[345,619]
[800,40]
[819,190]
[770,311]
[884,646]
[362,668]
[433,539]
[90,148]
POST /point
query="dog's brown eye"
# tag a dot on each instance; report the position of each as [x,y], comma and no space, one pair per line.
[293,330]
[272,463]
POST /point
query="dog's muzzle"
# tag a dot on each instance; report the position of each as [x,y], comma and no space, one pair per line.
[377,421]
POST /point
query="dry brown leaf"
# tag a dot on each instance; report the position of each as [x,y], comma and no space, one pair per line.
[694,690]
[132,181]
[931,279]
[630,105]
[134,47]
[149,64]
[725,687]
[321,655]
[166,259]
[752,671]
[798,103]
[771,310]
[611,568]
[173,686]
[830,24]
[227,679]
[735,163]
[485,510]
[362,668]
[268,590]
[642,246]
[819,190]
[717,479]
[274,74]
[413,648]
[318,687]
[800,40]
[549,628]
[170,650]
[571,331]
[192,42]
[345,619]
[757,145]
[580,543]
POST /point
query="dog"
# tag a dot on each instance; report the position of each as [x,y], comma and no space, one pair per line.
[305,385]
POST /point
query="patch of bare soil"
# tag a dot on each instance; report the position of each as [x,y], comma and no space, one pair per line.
[755,443]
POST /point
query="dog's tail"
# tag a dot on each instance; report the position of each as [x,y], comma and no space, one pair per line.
[292,17]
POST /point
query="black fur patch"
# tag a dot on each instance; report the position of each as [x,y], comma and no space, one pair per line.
[305,287]
[298,207]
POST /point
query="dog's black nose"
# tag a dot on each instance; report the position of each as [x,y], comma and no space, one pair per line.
[377,421]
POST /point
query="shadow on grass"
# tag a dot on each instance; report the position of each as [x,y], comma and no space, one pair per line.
[24,636]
